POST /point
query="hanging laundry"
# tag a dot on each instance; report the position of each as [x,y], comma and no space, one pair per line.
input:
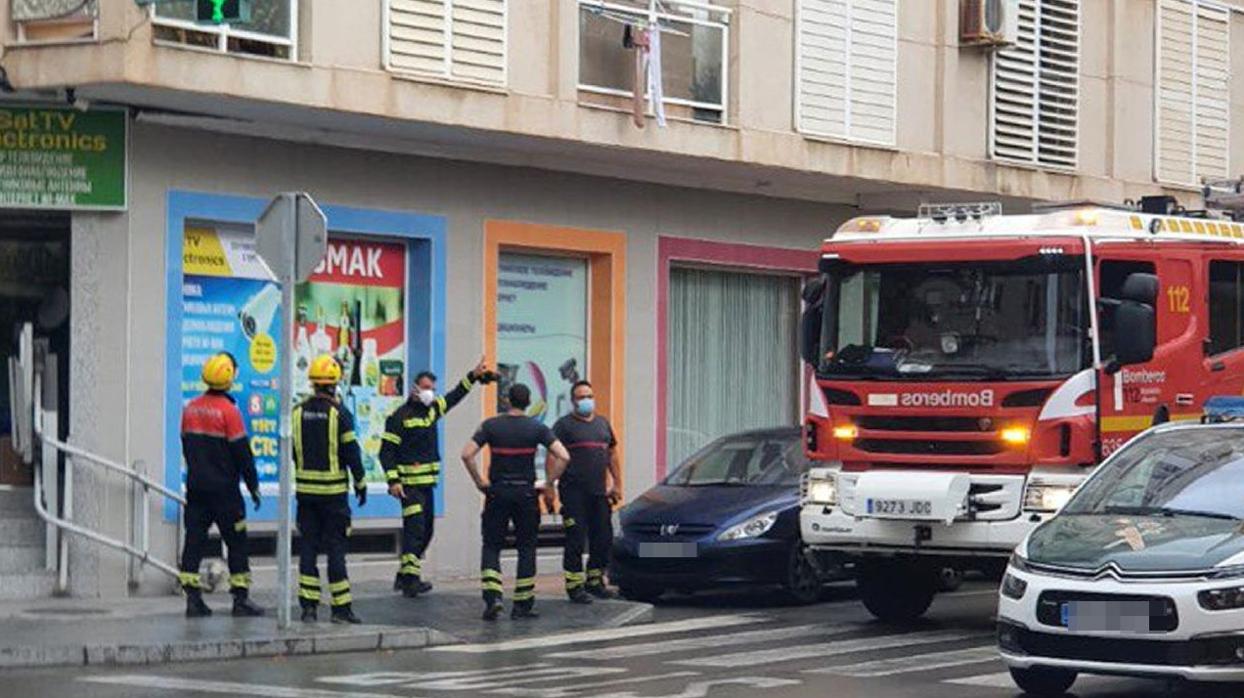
[637,39]
[656,92]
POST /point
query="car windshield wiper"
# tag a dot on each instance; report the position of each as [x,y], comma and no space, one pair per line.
[1169,511]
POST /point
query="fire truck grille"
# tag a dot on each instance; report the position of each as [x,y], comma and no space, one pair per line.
[930,447]
[934,424]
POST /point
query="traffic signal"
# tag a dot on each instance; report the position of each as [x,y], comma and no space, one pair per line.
[222,11]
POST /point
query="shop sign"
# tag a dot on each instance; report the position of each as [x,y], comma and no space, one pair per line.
[63,158]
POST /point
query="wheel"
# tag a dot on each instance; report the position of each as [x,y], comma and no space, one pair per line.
[803,582]
[949,579]
[896,592]
[1043,681]
[646,594]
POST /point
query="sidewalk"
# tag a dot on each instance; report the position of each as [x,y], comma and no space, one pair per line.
[75,632]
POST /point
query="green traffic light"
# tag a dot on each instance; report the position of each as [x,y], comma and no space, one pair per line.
[218,11]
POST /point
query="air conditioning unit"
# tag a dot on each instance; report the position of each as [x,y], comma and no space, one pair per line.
[988,23]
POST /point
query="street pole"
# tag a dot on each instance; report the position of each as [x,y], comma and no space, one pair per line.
[284,537]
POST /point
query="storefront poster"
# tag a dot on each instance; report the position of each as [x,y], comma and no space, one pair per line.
[542,330]
[353,307]
[60,157]
[229,304]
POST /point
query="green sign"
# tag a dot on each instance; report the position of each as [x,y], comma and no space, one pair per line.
[58,157]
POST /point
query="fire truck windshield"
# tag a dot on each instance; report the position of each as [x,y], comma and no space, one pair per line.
[1013,320]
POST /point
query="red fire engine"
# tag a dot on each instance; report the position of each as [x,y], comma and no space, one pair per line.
[972,368]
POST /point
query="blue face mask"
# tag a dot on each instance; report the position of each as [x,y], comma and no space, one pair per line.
[585,406]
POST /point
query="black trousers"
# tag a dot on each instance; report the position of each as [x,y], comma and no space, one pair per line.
[429,519]
[414,506]
[588,521]
[323,524]
[505,505]
[227,511]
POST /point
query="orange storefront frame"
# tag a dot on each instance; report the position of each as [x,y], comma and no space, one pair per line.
[605,253]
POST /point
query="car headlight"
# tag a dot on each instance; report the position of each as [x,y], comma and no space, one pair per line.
[821,490]
[1221,599]
[752,528]
[1013,587]
[1019,562]
[1047,497]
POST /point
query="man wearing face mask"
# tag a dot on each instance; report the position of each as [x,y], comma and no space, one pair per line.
[588,485]
[410,455]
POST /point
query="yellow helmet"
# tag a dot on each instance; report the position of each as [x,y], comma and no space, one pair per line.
[325,370]
[219,371]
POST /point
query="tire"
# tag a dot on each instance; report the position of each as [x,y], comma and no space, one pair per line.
[896,592]
[645,594]
[803,582]
[1043,681]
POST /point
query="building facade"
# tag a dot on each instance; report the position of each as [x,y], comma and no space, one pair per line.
[489,190]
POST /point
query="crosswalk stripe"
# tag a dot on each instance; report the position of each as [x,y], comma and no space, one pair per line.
[711,622]
[700,643]
[571,689]
[230,688]
[918,662]
[827,649]
[999,680]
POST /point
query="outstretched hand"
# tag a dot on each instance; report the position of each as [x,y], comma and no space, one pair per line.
[256,499]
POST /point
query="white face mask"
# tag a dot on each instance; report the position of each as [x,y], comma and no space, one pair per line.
[426,397]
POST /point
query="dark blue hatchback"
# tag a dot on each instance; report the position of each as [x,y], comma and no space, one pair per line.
[728,515]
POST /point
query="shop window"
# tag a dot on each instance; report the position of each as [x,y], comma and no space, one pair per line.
[270,31]
[55,21]
[1226,288]
[694,58]
[732,360]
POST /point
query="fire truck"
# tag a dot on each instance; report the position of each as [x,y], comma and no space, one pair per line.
[972,368]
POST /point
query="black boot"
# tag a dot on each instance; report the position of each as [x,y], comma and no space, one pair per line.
[310,614]
[492,609]
[195,608]
[424,587]
[410,587]
[579,596]
[345,614]
[523,610]
[601,592]
[399,582]
[243,607]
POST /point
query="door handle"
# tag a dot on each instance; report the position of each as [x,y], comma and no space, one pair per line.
[1217,366]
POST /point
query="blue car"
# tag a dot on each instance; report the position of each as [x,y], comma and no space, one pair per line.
[728,515]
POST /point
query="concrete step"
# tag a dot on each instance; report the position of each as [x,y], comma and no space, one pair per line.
[22,559]
[28,585]
[16,504]
[24,532]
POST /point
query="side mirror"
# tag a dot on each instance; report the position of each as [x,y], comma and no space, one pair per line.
[811,321]
[1142,288]
[1135,331]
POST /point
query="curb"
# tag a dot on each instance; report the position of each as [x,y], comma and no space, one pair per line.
[381,638]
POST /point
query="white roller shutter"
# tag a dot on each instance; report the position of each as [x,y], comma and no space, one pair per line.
[847,78]
[1193,91]
[1036,87]
[454,39]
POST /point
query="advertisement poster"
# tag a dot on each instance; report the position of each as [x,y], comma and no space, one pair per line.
[542,330]
[60,157]
[353,307]
[230,304]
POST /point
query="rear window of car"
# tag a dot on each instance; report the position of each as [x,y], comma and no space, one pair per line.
[746,460]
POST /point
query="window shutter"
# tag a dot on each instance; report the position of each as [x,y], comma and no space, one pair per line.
[456,39]
[1174,92]
[1211,115]
[1036,87]
[1193,91]
[847,78]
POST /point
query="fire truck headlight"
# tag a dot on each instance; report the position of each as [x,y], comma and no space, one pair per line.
[1016,436]
[1047,497]
[821,489]
[846,432]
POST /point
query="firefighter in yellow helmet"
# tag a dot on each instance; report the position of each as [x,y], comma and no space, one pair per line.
[325,448]
[218,454]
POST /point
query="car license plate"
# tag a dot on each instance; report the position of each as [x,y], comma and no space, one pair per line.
[1107,616]
[668,550]
[900,508]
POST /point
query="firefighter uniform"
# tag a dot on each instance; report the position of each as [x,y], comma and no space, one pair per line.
[511,498]
[326,456]
[218,455]
[586,510]
[410,454]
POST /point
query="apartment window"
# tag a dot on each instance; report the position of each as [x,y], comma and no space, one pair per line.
[1036,87]
[461,40]
[55,21]
[1193,91]
[694,59]
[846,69]
[1226,305]
[271,31]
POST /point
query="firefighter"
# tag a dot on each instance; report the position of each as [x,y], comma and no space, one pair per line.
[411,457]
[325,448]
[588,487]
[218,454]
[510,497]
